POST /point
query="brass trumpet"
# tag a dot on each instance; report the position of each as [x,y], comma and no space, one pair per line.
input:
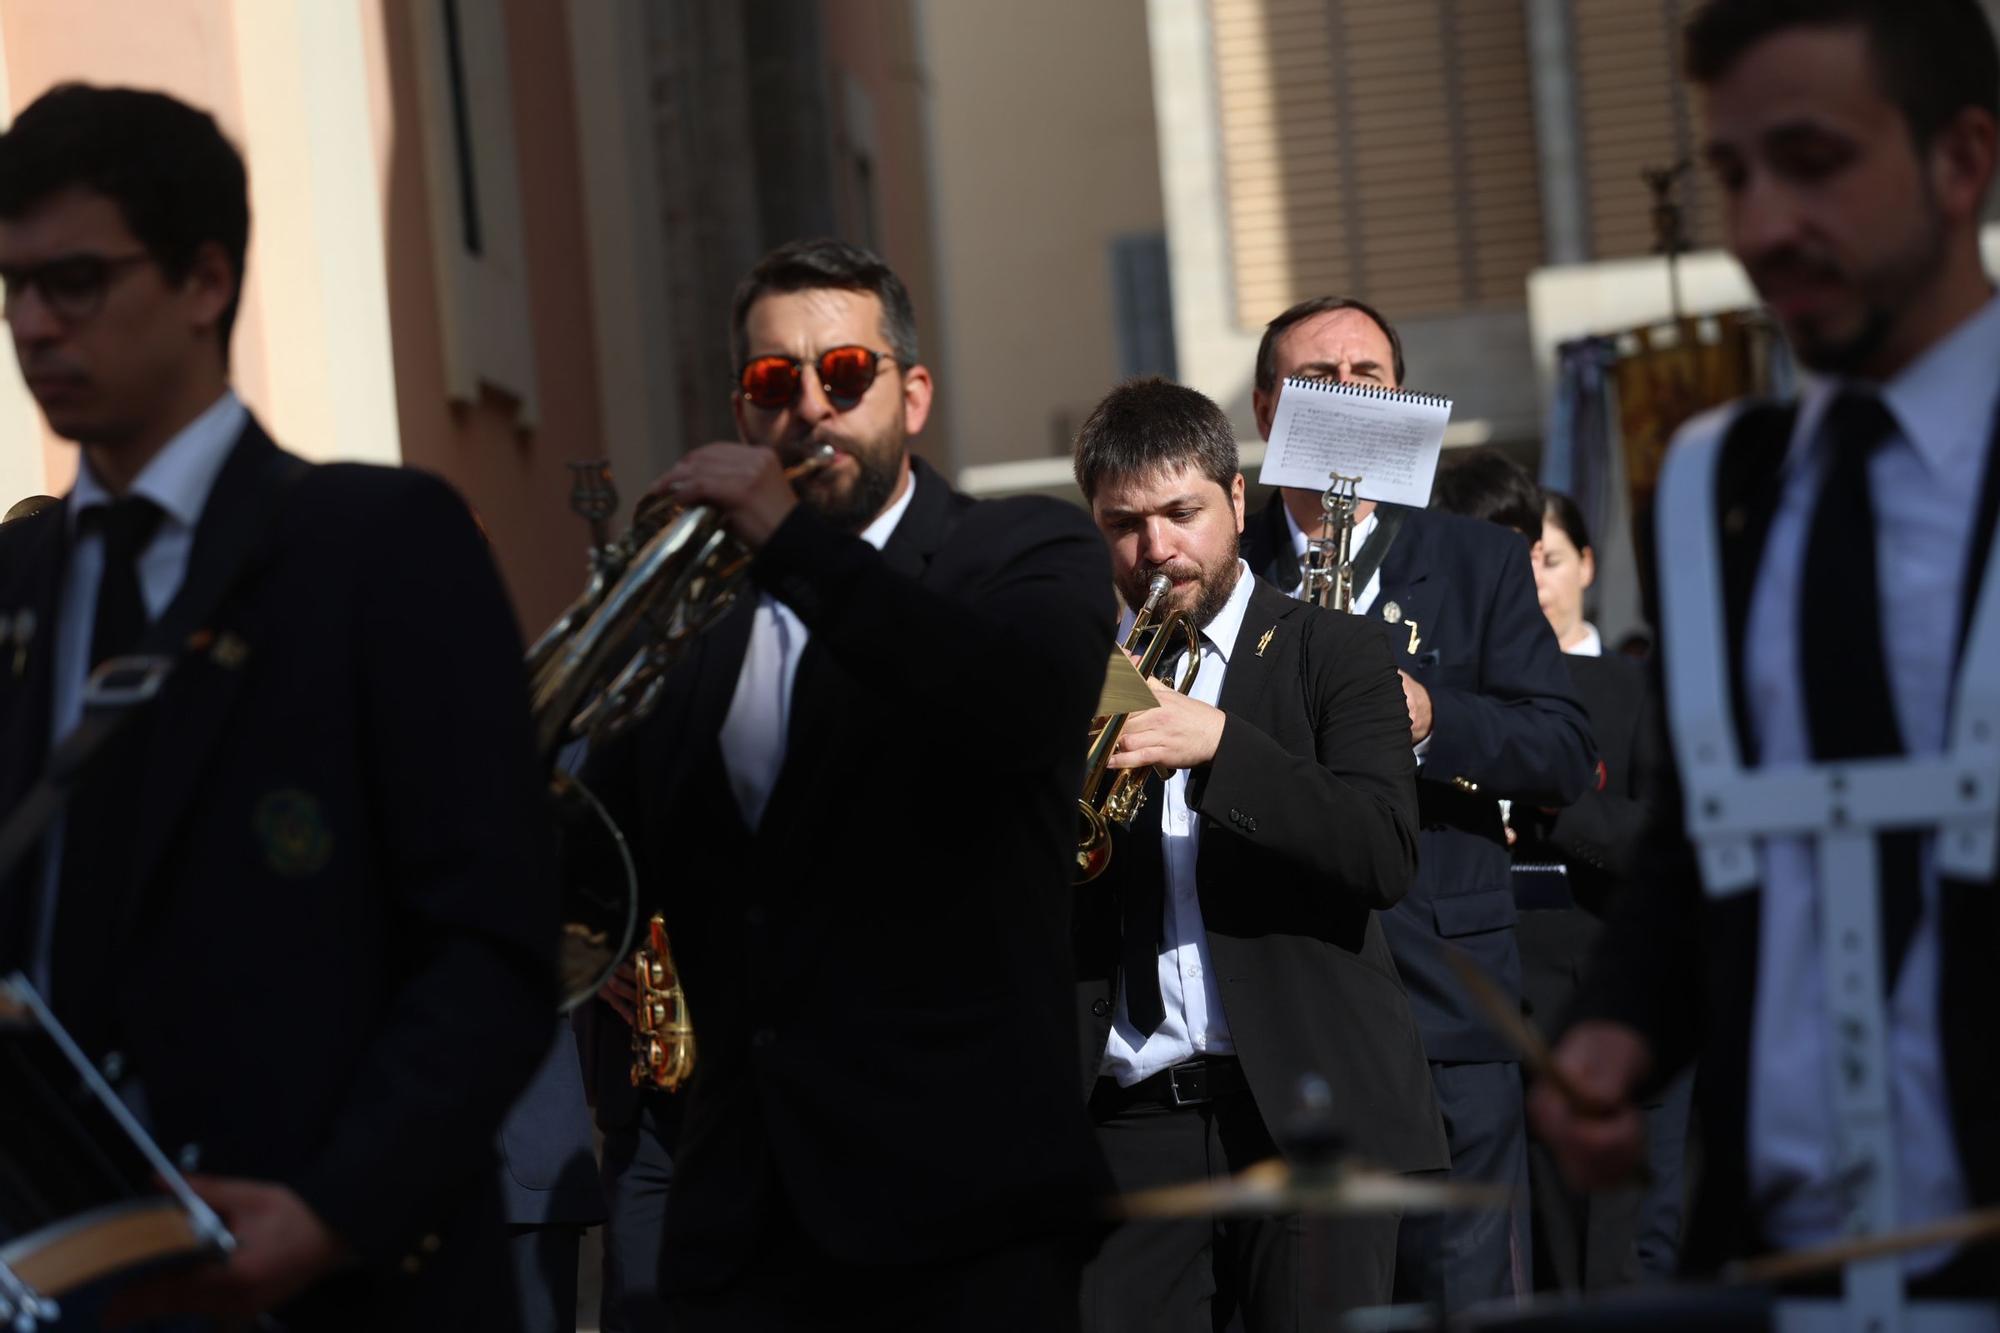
[1117,800]
[598,670]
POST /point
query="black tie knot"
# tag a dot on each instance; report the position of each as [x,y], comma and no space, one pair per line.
[128,525]
[1857,424]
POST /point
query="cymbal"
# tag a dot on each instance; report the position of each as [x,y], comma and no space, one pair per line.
[1272,1187]
[1966,1229]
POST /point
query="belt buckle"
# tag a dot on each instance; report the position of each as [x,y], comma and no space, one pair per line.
[1196,1086]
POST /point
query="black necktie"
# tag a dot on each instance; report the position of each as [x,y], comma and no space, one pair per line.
[97,824]
[128,526]
[1850,712]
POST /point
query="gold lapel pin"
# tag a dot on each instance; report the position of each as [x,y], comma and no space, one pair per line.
[1414,640]
[1265,642]
[230,651]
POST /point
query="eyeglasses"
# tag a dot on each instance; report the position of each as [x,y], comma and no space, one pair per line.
[845,373]
[72,287]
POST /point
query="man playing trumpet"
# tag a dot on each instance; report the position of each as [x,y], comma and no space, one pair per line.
[1231,949]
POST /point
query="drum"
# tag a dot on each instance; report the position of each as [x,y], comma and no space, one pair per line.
[85,1194]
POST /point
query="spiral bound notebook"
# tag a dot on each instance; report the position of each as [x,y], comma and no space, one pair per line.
[1387,437]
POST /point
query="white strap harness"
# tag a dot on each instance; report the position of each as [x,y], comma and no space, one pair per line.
[1841,806]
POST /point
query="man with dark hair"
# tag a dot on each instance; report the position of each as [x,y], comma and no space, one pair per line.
[1492,718]
[883,1126]
[1827,951]
[316,945]
[1231,953]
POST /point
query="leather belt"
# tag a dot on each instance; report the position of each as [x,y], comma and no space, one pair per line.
[1190,1083]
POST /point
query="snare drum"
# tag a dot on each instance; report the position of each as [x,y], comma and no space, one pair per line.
[85,1194]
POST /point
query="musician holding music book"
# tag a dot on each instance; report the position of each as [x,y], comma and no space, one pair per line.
[264,734]
[1492,716]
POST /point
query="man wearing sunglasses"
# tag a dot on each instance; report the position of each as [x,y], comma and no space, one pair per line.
[856,804]
[310,943]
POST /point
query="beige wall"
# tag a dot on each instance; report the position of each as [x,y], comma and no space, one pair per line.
[1043,150]
[514,479]
[339,345]
[881,93]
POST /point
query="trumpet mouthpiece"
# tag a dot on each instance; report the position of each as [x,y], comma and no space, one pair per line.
[1160,586]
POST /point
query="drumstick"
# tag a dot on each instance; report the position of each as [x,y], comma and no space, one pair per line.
[1516,1031]
[1981,1225]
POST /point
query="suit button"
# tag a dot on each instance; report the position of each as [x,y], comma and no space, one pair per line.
[763,1037]
[1250,824]
[1100,1008]
[1235,816]
[1465,784]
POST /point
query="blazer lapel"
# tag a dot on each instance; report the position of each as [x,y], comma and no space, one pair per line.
[198,695]
[1263,640]
[818,713]
[1748,481]
[1406,606]
[30,606]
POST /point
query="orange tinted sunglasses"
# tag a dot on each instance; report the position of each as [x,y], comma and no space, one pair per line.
[846,373]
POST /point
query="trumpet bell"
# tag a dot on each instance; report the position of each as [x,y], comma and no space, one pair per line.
[1093,843]
[600,899]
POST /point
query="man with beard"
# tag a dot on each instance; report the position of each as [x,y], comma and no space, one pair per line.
[1831,962]
[1230,954]
[855,804]
[1492,718]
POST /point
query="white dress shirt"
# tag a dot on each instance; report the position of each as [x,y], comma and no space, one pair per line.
[178,480]
[1924,484]
[1194,1023]
[760,713]
[1590,645]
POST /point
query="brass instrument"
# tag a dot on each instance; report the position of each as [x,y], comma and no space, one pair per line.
[598,669]
[662,1032]
[1329,571]
[1116,801]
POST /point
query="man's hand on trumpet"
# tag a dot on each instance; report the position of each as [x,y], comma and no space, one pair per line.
[746,482]
[1180,733]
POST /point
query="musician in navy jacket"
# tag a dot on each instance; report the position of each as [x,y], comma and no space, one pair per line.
[1492,717]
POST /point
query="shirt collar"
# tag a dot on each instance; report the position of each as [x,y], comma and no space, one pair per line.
[1590,645]
[1228,623]
[180,476]
[1928,398]
[876,534]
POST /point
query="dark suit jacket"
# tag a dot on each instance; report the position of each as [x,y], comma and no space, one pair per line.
[1598,837]
[347,999]
[1308,815]
[1505,724]
[1667,944]
[879,976]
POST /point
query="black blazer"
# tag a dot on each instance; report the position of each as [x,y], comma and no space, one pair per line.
[1308,815]
[879,975]
[1598,837]
[1682,968]
[1506,724]
[334,964]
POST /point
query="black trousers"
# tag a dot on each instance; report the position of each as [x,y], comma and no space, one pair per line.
[636,1169]
[1199,1274]
[1475,1255]
[794,1285]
